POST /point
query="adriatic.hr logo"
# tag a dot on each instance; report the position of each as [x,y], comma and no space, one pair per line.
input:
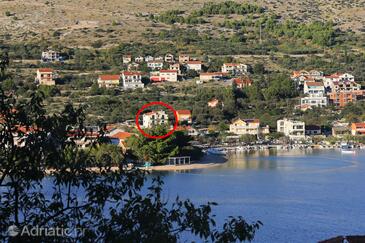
[13,230]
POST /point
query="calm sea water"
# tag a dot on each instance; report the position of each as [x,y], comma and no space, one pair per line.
[300,196]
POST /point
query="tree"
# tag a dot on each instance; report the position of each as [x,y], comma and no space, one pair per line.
[4,63]
[47,181]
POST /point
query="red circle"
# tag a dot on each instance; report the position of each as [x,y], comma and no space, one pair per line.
[152,104]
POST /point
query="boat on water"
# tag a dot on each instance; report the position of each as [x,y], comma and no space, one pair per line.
[216,151]
[347,148]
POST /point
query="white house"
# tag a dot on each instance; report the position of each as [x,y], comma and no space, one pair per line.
[127,59]
[194,65]
[169,58]
[234,68]
[148,58]
[168,75]
[295,130]
[175,66]
[132,80]
[314,100]
[51,56]
[109,81]
[247,127]
[155,64]
[159,58]
[139,59]
[154,118]
[45,76]
[311,87]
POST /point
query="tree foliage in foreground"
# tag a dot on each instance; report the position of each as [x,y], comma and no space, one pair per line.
[46,181]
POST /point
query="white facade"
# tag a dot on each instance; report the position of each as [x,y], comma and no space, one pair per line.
[314,100]
[314,88]
[154,118]
[169,58]
[194,65]
[168,75]
[127,59]
[234,68]
[51,56]
[155,64]
[295,130]
[148,58]
[108,81]
[132,80]
[139,59]
[45,76]
[245,126]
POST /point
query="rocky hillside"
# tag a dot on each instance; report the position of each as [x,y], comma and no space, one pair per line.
[84,22]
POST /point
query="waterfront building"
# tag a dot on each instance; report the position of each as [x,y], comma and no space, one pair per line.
[358,128]
[247,127]
[295,130]
[45,76]
[311,130]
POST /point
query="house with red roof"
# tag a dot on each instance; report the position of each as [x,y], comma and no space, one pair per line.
[109,80]
[358,128]
[194,65]
[242,82]
[184,116]
[45,76]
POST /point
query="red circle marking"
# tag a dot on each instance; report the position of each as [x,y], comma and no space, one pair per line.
[154,104]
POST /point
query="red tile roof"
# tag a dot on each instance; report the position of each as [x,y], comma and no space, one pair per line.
[122,135]
[183,112]
[45,70]
[109,77]
[194,62]
[126,73]
[246,81]
[168,71]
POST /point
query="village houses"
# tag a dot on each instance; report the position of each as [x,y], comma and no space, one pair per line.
[175,66]
[242,82]
[45,76]
[154,118]
[213,103]
[169,58]
[212,76]
[139,59]
[155,65]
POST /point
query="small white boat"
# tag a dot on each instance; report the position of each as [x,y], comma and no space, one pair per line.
[347,148]
[216,151]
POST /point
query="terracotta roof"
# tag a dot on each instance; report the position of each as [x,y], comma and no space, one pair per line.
[359,125]
[122,135]
[314,83]
[194,62]
[184,112]
[109,77]
[126,73]
[45,70]
[242,81]
[168,71]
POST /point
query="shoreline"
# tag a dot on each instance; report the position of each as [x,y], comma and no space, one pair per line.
[204,163]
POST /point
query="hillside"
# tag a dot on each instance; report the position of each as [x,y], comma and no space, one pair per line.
[82,23]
